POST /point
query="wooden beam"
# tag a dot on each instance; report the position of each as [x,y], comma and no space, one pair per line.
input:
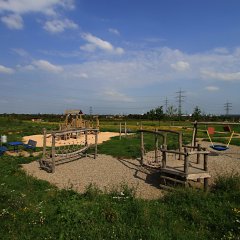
[216,123]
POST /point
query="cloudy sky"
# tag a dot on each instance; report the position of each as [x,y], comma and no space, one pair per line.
[115,56]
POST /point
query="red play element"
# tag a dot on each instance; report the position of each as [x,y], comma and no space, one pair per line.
[227,128]
[211,130]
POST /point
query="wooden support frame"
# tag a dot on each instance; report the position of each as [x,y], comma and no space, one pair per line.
[158,132]
[50,160]
[187,172]
[182,172]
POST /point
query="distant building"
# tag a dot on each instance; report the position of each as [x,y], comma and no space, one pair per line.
[37,120]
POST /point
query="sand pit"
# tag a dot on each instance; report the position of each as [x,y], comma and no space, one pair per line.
[102,136]
[105,172]
[108,172]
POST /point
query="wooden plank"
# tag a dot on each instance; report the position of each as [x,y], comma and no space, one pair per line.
[198,152]
[196,176]
[173,179]
[172,151]
[193,173]
[72,153]
[216,123]
[77,130]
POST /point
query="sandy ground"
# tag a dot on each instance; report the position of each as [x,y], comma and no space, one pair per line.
[108,172]
[102,136]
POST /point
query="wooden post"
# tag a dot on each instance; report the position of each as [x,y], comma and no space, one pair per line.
[97,122]
[96,142]
[156,146]
[198,155]
[165,139]
[120,131]
[86,137]
[186,161]
[180,145]
[164,156]
[194,136]
[205,166]
[53,152]
[44,145]
[142,148]
[125,128]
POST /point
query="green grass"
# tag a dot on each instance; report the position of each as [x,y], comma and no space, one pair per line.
[34,209]
[15,129]
[129,146]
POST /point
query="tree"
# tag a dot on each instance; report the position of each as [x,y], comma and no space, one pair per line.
[171,111]
[159,112]
[197,113]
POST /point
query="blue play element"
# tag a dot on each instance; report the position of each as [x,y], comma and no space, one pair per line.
[219,147]
[30,145]
[2,150]
[15,145]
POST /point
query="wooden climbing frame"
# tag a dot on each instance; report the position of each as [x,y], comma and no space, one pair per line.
[156,134]
[67,152]
[74,119]
[181,169]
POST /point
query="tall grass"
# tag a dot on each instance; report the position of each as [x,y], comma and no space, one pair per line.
[34,209]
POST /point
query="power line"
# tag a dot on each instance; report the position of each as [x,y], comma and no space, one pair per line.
[180,98]
[227,107]
[166,104]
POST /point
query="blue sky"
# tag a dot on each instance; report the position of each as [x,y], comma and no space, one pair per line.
[116,56]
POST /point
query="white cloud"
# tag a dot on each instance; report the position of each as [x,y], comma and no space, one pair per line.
[97,43]
[80,75]
[57,26]
[180,66]
[212,88]
[221,50]
[25,6]
[13,10]
[155,66]
[21,52]
[13,21]
[230,76]
[6,70]
[28,67]
[114,31]
[47,66]
[113,95]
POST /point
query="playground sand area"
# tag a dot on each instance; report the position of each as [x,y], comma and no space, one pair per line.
[108,173]
[102,136]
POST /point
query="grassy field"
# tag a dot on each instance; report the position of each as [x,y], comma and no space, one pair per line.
[34,209]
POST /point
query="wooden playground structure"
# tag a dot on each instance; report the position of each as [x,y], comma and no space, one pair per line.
[187,163]
[74,119]
[69,152]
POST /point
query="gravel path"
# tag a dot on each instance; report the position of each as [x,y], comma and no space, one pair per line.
[108,172]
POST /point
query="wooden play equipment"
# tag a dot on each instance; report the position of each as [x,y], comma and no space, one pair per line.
[74,119]
[71,151]
[175,166]
[152,158]
[211,130]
